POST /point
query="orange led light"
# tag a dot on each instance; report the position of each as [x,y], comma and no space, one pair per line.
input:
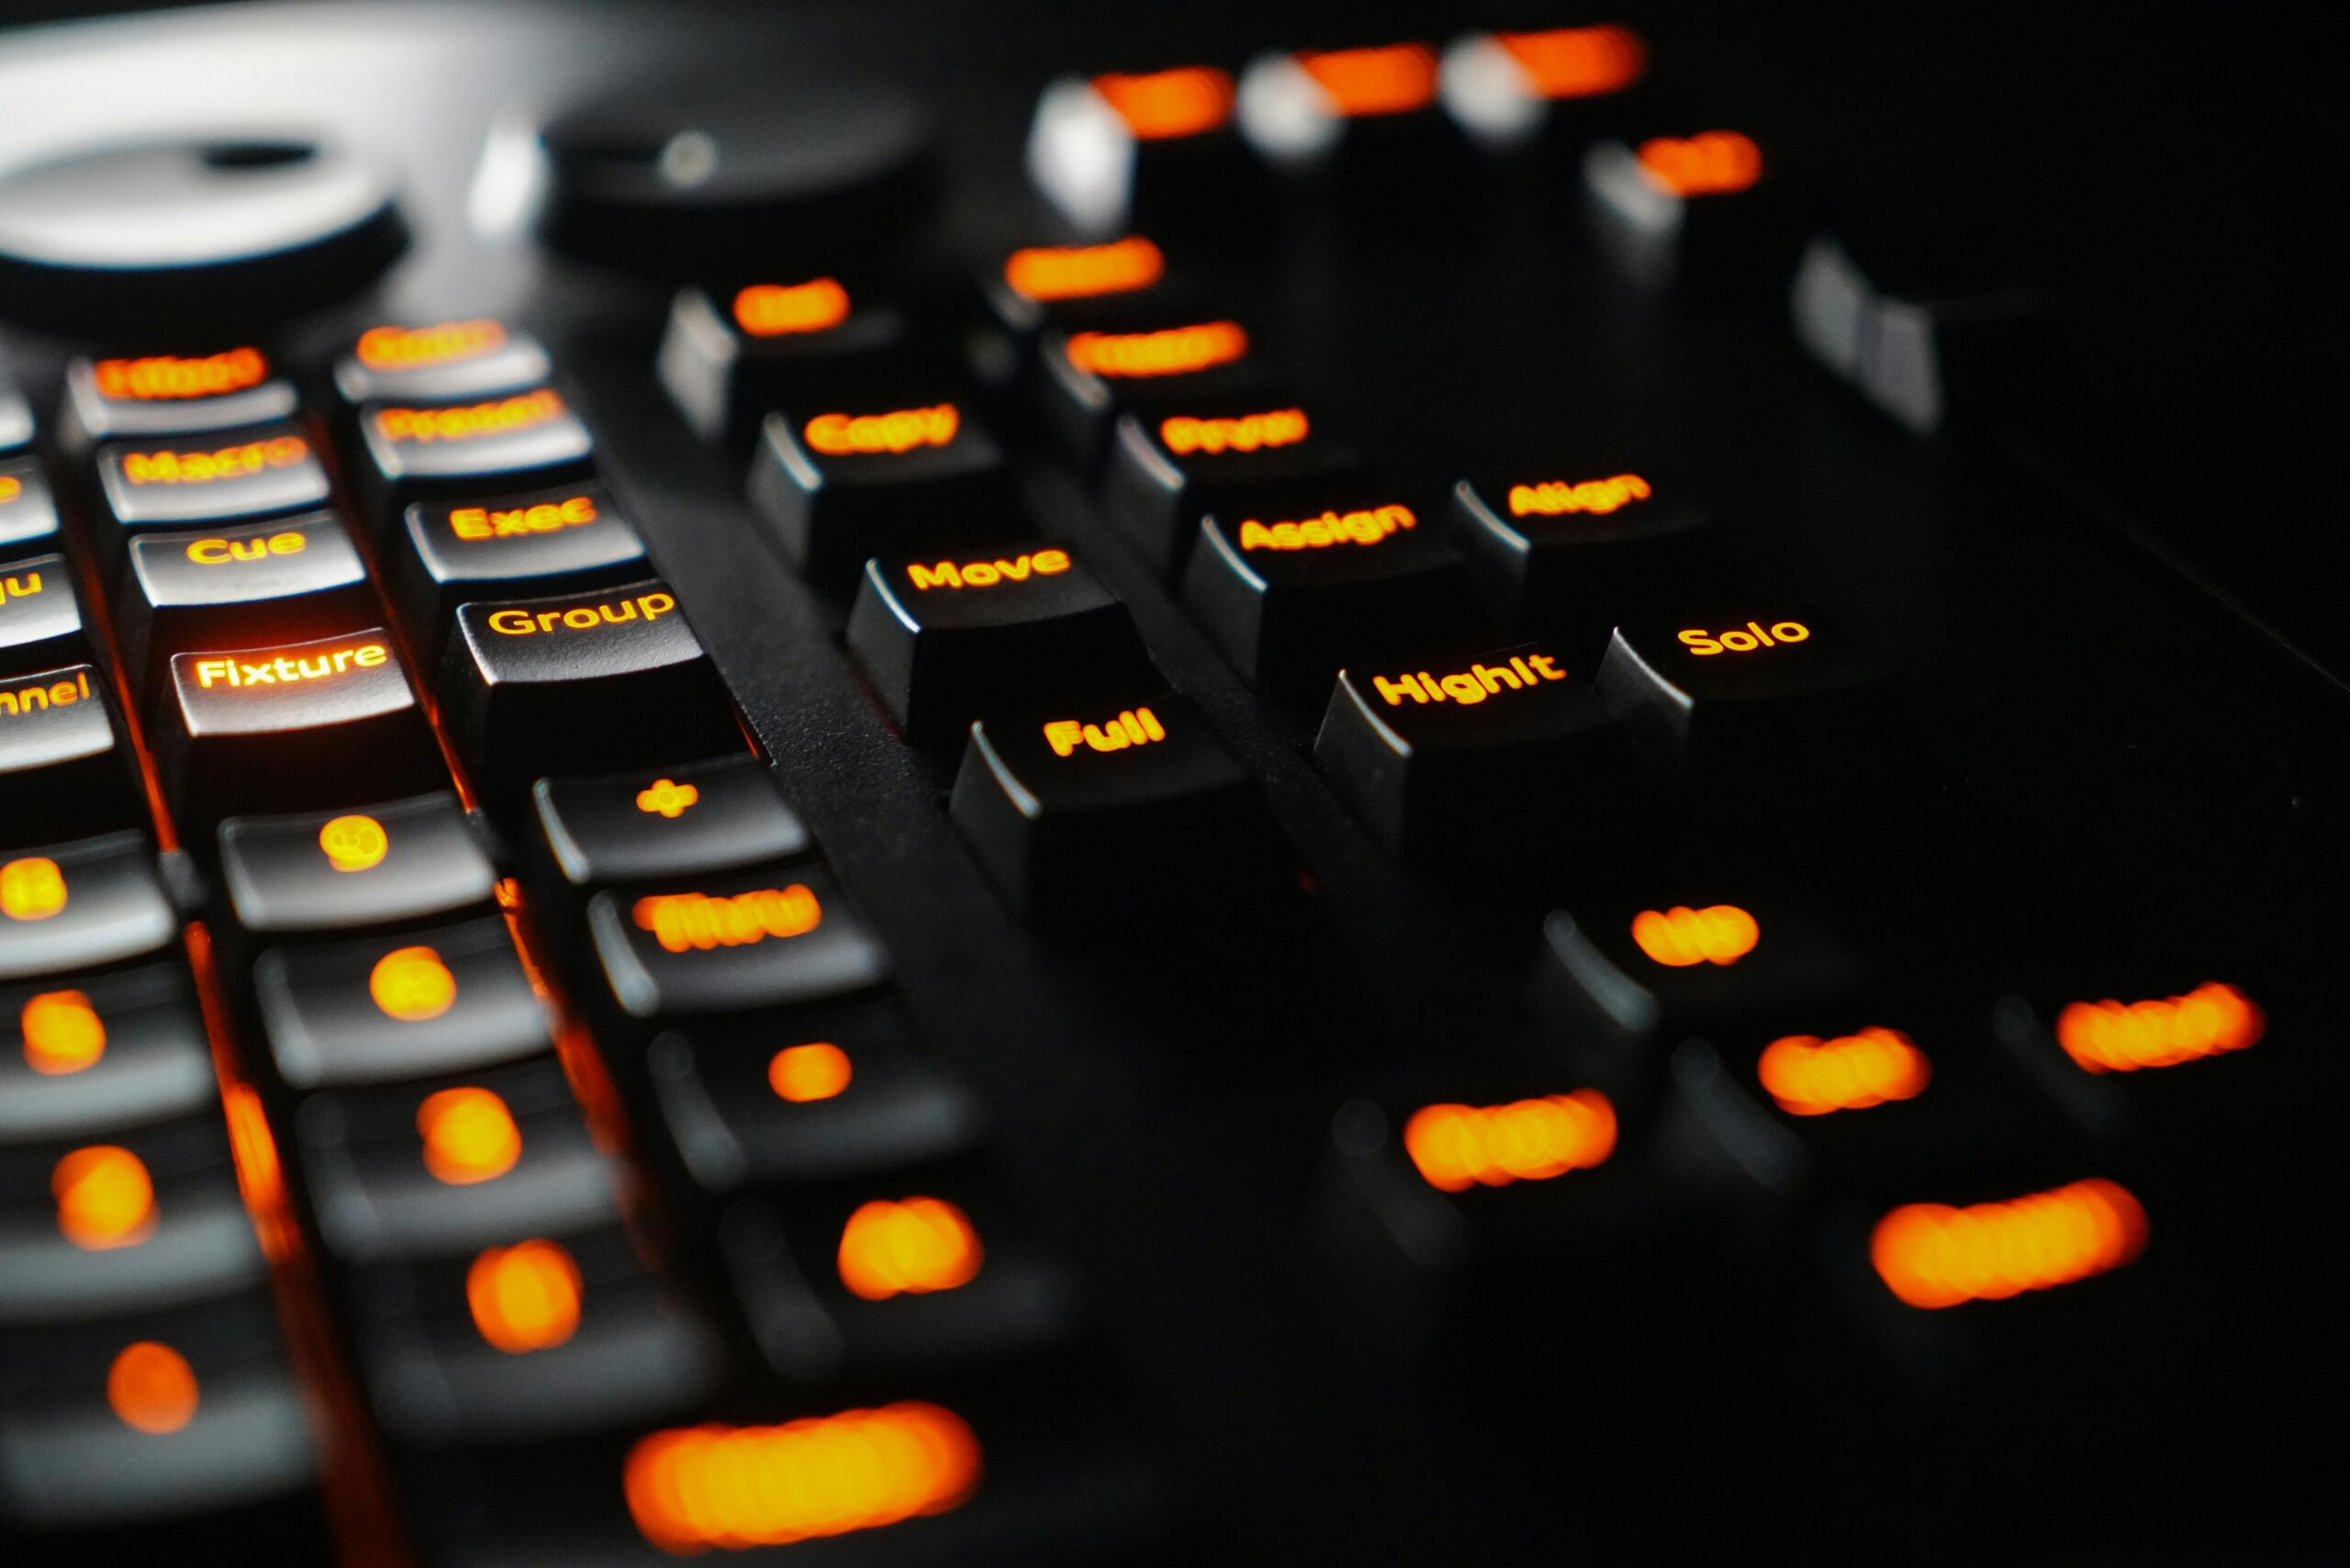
[1480,681]
[469,1136]
[1702,643]
[2114,1037]
[1157,104]
[1712,163]
[260,1179]
[774,311]
[1174,351]
[1391,79]
[735,1487]
[207,467]
[910,1247]
[697,922]
[599,617]
[166,378]
[1680,937]
[10,488]
[1556,498]
[470,421]
[1371,525]
[1810,1077]
[151,1388]
[219,552]
[412,984]
[283,670]
[1933,1255]
[817,1071]
[63,1032]
[988,574]
[354,842]
[38,697]
[404,348]
[1579,63]
[104,1198]
[1084,272]
[1182,434]
[839,435]
[667,798]
[33,887]
[524,1297]
[1133,726]
[1456,1148]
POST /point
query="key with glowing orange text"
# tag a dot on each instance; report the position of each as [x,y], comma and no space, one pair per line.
[776,936]
[516,439]
[135,396]
[1708,211]
[1172,462]
[1567,551]
[62,770]
[1158,147]
[1368,116]
[729,356]
[1158,364]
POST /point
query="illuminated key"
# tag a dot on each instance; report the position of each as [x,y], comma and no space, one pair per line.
[438,361]
[1511,88]
[514,441]
[541,542]
[81,905]
[135,396]
[61,771]
[770,938]
[1704,211]
[1567,552]
[322,871]
[102,1052]
[730,356]
[598,830]
[1158,147]
[1370,111]
[1731,961]
[210,587]
[215,477]
[40,616]
[1935,1255]
[28,511]
[1174,459]
[1155,365]
[1103,286]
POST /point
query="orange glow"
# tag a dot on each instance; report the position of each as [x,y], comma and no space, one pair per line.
[1133,726]
[1084,272]
[1175,351]
[1158,105]
[1371,525]
[838,436]
[63,1032]
[33,887]
[774,311]
[1933,1255]
[470,421]
[818,1070]
[1579,63]
[1456,1148]
[910,1248]
[261,1180]
[524,1297]
[354,842]
[1712,163]
[474,523]
[405,348]
[1810,1077]
[735,1487]
[1680,937]
[1598,496]
[412,984]
[667,798]
[1479,682]
[697,922]
[151,1388]
[206,467]
[10,488]
[160,379]
[1185,435]
[104,1198]
[2112,1036]
[469,1136]
[1392,79]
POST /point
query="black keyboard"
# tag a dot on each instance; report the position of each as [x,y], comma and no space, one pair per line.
[890,785]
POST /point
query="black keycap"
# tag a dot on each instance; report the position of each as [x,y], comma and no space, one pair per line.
[40,616]
[205,589]
[836,1093]
[539,687]
[1365,119]
[132,398]
[389,1009]
[27,511]
[2146,1049]
[1114,285]
[91,1054]
[322,871]
[16,420]
[1707,213]
[566,539]
[1289,593]
[1155,147]
[443,362]
[445,1168]
[839,486]
[61,771]
[1553,90]
[1171,467]
[1109,812]
[1570,558]
[220,476]
[1156,366]
[511,443]
[944,639]
[291,727]
[677,821]
[1491,760]
[728,359]
[81,905]
[777,937]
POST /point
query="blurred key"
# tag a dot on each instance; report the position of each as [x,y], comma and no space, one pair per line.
[1156,365]
[324,871]
[1705,212]
[1173,464]
[81,905]
[16,420]
[650,825]
[514,441]
[1554,87]
[389,1009]
[210,587]
[1368,116]
[1156,147]
[778,937]
[40,616]
[944,639]
[215,477]
[2145,1057]
[1569,555]
[569,538]
[1071,288]
[61,771]
[728,360]
[95,1053]
[27,511]
[442,361]
[109,399]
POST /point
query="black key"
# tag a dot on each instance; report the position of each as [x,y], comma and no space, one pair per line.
[325,871]
[837,1094]
[209,588]
[97,1053]
[838,488]
[220,476]
[445,1168]
[2149,1053]
[1105,811]
[81,905]
[27,511]
[390,1009]
[1365,117]
[1289,593]
[1554,89]
[678,822]
[1072,288]
[1169,468]
[1706,213]
[568,538]
[129,399]
[1486,761]
[944,639]
[40,616]
[16,420]
[1570,558]
[727,360]
[511,443]
[533,687]
[289,728]
[444,361]
[726,944]
[1155,147]
[61,772]
[1156,365]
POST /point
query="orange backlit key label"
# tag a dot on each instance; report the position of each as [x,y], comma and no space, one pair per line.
[776,310]
[646,607]
[1456,1148]
[412,984]
[1597,498]
[150,1388]
[1046,272]
[1751,638]
[1190,100]
[1681,938]
[2114,1037]
[1810,1077]
[470,421]
[991,572]
[159,379]
[1135,726]
[63,1033]
[1372,525]
[328,664]
[237,461]
[1185,434]
[816,1070]
[354,843]
[903,429]
[1392,79]
[104,1198]
[910,1247]
[684,922]
[1578,62]
[469,1136]
[1171,350]
[10,487]
[524,1297]
[33,887]
[668,799]
[469,524]
[1713,162]
[1933,1255]
[410,348]
[1480,681]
